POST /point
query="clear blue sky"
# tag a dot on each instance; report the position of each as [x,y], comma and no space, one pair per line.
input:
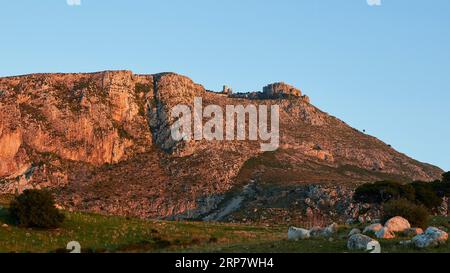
[385,69]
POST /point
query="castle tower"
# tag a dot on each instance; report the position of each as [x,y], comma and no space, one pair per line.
[227,90]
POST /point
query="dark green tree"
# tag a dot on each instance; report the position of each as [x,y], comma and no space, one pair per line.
[36,208]
[383,191]
[426,194]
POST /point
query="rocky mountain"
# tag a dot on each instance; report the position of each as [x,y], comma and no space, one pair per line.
[101,142]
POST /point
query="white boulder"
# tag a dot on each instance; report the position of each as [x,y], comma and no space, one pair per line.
[359,242]
[397,224]
[298,234]
[432,237]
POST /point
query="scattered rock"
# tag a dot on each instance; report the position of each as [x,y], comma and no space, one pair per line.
[384,233]
[298,234]
[397,224]
[309,212]
[443,208]
[324,232]
[411,232]
[432,237]
[358,242]
[336,201]
[331,229]
[316,231]
[353,232]
[362,219]
[372,228]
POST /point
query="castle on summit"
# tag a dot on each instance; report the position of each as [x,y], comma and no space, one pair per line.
[227,90]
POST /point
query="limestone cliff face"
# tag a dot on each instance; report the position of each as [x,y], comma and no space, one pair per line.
[170,90]
[91,118]
[102,142]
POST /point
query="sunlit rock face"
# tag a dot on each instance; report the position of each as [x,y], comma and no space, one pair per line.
[101,141]
[280,89]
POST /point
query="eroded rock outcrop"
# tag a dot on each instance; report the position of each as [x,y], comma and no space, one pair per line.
[280,90]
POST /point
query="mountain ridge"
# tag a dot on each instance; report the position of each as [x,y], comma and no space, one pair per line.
[101,141]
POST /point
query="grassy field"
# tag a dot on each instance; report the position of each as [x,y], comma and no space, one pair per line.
[97,233]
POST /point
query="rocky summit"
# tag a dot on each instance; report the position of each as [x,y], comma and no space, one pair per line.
[101,142]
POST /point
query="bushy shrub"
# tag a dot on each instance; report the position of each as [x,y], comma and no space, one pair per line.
[383,191]
[426,195]
[441,188]
[36,208]
[417,215]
